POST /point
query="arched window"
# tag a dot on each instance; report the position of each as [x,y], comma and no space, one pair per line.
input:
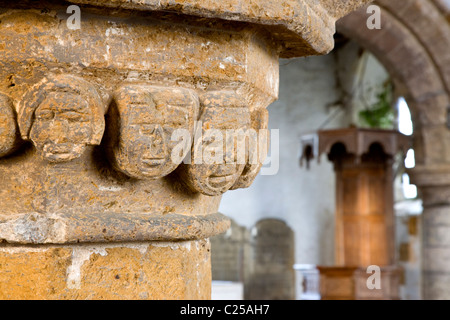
[405,126]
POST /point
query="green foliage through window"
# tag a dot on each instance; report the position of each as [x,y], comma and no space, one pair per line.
[380,114]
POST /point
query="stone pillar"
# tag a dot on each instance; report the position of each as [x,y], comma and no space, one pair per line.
[434,190]
[102,193]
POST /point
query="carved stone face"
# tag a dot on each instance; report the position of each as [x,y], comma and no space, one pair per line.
[148,118]
[258,146]
[62,126]
[219,175]
[8,127]
[62,115]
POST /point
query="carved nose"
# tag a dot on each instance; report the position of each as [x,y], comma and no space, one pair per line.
[223,170]
[156,148]
[231,149]
[58,131]
[157,130]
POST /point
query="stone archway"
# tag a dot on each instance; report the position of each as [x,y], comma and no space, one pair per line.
[413,45]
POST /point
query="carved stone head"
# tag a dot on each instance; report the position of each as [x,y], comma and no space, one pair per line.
[8,127]
[257,148]
[215,165]
[143,120]
[61,116]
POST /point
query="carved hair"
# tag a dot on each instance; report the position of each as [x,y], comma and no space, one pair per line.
[259,121]
[9,139]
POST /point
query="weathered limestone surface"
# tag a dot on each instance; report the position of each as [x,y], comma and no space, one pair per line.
[300,27]
[89,165]
[142,270]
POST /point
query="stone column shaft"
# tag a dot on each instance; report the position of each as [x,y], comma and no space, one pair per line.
[434,191]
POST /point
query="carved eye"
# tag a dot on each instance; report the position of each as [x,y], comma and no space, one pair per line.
[177,123]
[178,119]
[147,130]
[73,116]
[44,115]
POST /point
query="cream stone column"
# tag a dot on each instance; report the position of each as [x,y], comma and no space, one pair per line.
[434,188]
[96,102]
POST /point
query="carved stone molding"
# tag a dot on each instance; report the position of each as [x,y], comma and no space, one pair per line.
[301,27]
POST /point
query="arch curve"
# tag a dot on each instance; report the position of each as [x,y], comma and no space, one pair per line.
[413,46]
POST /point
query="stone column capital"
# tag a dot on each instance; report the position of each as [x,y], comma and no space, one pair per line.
[433,183]
[437,175]
[111,131]
[299,27]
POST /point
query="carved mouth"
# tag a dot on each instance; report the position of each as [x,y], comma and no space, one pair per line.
[59,152]
[57,149]
[153,162]
[220,181]
[59,156]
